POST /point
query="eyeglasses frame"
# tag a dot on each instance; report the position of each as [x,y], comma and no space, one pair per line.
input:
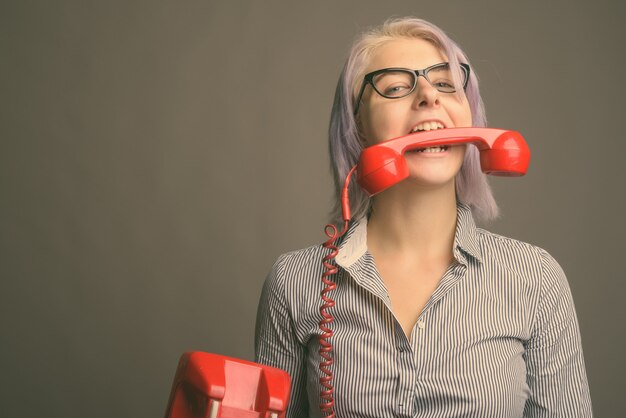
[368,79]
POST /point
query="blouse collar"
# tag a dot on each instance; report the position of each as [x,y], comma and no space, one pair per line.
[466,242]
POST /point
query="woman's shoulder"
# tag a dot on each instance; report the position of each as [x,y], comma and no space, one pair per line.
[527,259]
[294,282]
[299,259]
[300,267]
[498,241]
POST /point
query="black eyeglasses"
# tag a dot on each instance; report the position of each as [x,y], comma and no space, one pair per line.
[395,83]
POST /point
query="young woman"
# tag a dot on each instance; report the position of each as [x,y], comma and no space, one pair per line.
[434,317]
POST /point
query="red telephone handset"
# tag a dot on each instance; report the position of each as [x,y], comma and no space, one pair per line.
[502,153]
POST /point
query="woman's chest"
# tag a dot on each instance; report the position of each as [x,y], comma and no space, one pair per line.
[465,355]
[409,289]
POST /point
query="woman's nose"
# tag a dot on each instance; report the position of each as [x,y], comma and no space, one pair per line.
[426,95]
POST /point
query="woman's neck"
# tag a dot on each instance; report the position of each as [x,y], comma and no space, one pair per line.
[420,223]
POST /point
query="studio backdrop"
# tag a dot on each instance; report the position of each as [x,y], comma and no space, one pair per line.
[156,157]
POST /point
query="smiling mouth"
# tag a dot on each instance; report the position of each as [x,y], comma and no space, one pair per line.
[429,126]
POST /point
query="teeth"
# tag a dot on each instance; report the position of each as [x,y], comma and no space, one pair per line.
[440,148]
[427,126]
[434,149]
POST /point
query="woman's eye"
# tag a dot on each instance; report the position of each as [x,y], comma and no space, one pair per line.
[444,84]
[396,90]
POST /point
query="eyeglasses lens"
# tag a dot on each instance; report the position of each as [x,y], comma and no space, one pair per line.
[394,84]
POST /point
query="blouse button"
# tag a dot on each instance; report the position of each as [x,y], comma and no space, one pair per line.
[421,324]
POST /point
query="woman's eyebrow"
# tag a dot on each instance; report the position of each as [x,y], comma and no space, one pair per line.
[442,68]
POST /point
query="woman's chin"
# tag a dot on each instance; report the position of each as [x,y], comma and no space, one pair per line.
[430,182]
[432,174]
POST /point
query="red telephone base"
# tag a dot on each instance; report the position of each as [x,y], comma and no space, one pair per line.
[213,386]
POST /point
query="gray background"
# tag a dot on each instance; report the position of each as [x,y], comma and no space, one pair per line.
[156,157]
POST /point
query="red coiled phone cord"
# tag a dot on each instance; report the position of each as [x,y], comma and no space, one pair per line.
[326,361]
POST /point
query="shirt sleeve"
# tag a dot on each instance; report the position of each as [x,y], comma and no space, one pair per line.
[276,343]
[554,358]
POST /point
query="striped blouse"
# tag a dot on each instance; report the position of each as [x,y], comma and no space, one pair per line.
[499,336]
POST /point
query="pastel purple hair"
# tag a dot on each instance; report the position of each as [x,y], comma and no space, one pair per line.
[345,144]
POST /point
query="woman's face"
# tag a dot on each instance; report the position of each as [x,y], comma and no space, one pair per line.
[425,108]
